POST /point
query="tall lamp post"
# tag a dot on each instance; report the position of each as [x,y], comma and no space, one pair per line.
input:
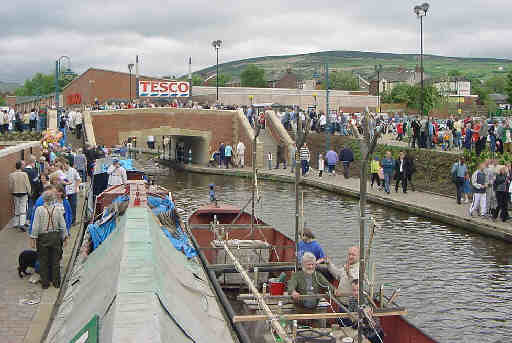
[378,69]
[216,45]
[328,121]
[421,11]
[57,73]
[130,67]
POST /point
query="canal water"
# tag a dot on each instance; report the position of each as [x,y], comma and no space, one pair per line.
[457,286]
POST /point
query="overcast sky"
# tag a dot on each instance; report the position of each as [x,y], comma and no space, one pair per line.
[109,33]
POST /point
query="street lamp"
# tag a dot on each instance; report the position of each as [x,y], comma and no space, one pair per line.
[216,45]
[57,73]
[130,67]
[421,11]
[250,98]
[378,69]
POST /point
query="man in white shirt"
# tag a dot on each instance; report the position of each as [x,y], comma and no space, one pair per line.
[151,142]
[240,150]
[72,181]
[117,174]
[346,274]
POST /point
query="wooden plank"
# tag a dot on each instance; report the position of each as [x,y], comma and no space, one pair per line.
[253,248]
[281,297]
[255,265]
[258,317]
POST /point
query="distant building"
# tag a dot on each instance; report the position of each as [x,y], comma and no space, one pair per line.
[391,78]
[459,87]
[286,79]
[501,101]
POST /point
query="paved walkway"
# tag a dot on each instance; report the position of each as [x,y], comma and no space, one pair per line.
[438,207]
[19,320]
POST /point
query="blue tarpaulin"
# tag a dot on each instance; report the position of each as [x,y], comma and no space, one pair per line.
[100,232]
[181,242]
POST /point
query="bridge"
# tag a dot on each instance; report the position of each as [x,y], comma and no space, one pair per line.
[200,130]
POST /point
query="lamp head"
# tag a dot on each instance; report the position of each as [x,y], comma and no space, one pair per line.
[216,43]
[421,10]
[130,67]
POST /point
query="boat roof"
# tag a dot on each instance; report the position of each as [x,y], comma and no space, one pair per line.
[140,289]
[219,208]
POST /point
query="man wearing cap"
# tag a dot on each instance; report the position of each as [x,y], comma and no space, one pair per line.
[117,174]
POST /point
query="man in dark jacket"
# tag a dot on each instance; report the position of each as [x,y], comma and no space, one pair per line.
[416,127]
[402,169]
[346,157]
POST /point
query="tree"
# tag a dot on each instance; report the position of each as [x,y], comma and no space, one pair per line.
[196,80]
[508,86]
[342,80]
[496,84]
[42,84]
[223,79]
[252,76]
[431,98]
[2,102]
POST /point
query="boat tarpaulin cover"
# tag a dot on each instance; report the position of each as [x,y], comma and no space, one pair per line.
[142,289]
[100,230]
[126,164]
[180,239]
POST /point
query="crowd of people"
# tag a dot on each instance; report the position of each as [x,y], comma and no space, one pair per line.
[33,120]
[490,186]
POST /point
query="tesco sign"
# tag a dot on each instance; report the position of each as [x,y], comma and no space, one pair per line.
[164,88]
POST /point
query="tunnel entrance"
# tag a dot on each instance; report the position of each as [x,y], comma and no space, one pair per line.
[179,148]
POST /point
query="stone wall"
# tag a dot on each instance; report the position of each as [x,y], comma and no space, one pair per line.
[207,128]
[9,155]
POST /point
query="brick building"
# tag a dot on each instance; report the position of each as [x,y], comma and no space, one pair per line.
[288,79]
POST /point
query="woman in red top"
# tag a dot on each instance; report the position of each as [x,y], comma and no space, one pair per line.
[400,131]
[475,130]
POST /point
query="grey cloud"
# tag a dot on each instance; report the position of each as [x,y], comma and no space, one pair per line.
[109,33]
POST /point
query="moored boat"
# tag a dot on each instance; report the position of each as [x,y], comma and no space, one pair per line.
[237,228]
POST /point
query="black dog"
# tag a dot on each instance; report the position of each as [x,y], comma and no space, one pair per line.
[26,259]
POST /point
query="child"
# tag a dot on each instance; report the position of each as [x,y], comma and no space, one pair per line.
[321,164]
[466,189]
[269,158]
[374,170]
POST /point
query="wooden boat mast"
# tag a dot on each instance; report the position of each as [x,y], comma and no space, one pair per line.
[300,139]
[257,129]
[367,147]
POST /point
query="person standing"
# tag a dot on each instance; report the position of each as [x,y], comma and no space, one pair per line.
[228,152]
[280,155]
[222,150]
[151,142]
[332,160]
[416,127]
[507,138]
[500,186]
[117,174]
[72,181]
[321,165]
[293,158]
[479,182]
[346,157]
[48,234]
[346,274]
[401,171]
[304,158]
[80,164]
[19,187]
[459,172]
[491,203]
[374,170]
[388,165]
[240,150]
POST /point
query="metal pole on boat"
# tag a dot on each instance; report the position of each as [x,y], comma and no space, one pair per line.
[257,128]
[297,199]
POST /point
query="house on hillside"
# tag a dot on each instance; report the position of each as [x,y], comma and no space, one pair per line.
[391,78]
[286,79]
[454,86]
[501,101]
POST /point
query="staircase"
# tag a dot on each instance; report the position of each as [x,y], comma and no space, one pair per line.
[269,145]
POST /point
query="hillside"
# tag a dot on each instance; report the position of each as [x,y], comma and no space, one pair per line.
[8,86]
[363,63]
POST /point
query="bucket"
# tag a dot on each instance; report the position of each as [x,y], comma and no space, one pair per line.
[276,287]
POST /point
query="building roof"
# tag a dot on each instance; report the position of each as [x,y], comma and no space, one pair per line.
[499,98]
[30,98]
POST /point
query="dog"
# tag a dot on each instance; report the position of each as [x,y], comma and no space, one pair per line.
[27,258]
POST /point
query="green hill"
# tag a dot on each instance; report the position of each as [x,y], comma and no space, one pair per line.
[8,86]
[360,62]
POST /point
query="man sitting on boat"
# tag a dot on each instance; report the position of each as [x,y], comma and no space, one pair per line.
[116,174]
[346,275]
[309,244]
[308,281]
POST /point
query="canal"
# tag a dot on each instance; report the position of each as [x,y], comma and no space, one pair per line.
[457,286]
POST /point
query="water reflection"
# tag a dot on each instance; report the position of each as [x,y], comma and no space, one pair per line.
[456,285]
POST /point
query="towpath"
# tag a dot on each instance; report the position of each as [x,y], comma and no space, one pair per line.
[25,308]
[437,207]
